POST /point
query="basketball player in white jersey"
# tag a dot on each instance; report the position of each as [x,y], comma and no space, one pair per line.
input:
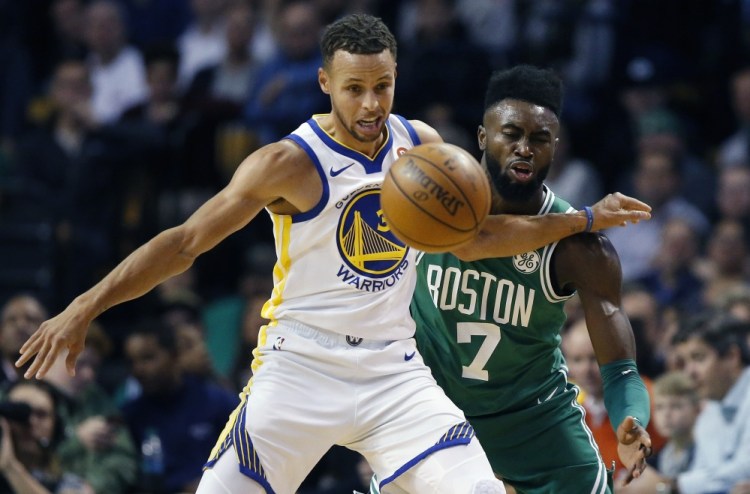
[337,363]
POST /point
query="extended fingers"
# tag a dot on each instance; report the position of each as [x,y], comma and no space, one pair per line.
[44,359]
[29,348]
[631,203]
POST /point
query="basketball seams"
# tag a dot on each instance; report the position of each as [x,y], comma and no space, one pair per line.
[456,186]
[439,194]
[418,205]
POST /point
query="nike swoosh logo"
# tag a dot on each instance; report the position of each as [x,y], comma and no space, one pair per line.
[409,356]
[626,372]
[539,401]
[335,173]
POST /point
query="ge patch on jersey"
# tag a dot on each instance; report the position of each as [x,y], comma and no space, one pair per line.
[527,262]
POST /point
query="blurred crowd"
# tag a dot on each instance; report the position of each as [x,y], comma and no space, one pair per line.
[119,118]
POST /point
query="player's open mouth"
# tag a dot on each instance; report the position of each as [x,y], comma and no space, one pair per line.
[369,125]
[522,171]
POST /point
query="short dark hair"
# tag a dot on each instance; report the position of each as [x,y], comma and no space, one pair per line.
[361,34]
[155,327]
[526,83]
[719,331]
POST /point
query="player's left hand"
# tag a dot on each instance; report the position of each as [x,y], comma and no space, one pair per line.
[618,210]
[633,447]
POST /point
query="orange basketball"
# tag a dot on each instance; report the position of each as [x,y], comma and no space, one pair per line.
[435,197]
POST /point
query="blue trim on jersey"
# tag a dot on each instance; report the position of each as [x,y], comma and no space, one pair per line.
[260,480]
[296,218]
[248,460]
[457,435]
[374,165]
[410,129]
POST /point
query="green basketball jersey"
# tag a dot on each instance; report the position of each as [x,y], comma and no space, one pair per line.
[490,329]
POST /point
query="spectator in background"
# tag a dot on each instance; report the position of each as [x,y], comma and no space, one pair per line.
[154,22]
[28,450]
[733,194]
[651,328]
[583,370]
[445,99]
[643,85]
[203,43]
[736,303]
[153,185]
[672,278]
[70,168]
[724,267]
[572,177]
[715,357]
[97,447]
[735,149]
[676,407]
[69,34]
[491,25]
[217,96]
[15,85]
[666,131]
[192,351]
[168,405]
[20,316]
[286,90]
[118,74]
[657,181]
[219,90]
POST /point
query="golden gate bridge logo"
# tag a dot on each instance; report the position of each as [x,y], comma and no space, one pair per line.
[364,239]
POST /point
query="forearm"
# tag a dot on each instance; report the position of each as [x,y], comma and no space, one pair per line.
[625,393]
[161,258]
[506,235]
[21,480]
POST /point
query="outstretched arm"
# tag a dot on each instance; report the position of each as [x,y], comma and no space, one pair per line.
[589,264]
[507,235]
[258,181]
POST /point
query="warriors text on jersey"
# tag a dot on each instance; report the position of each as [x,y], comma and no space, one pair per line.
[490,329]
[361,273]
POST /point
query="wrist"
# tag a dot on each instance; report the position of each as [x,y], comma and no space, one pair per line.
[10,466]
[589,218]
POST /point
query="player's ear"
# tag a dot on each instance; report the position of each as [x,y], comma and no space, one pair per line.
[323,81]
[482,137]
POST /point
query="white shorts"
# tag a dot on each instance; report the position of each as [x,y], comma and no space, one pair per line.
[312,389]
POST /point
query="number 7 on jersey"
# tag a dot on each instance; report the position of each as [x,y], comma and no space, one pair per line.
[491,332]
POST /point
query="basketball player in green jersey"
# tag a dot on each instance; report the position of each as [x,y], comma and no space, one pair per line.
[490,328]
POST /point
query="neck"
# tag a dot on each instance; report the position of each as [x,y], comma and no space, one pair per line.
[502,205]
[682,441]
[331,125]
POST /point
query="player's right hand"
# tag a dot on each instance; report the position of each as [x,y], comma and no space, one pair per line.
[66,331]
[618,210]
[633,447]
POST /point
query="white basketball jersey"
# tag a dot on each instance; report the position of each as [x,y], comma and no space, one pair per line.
[339,267]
